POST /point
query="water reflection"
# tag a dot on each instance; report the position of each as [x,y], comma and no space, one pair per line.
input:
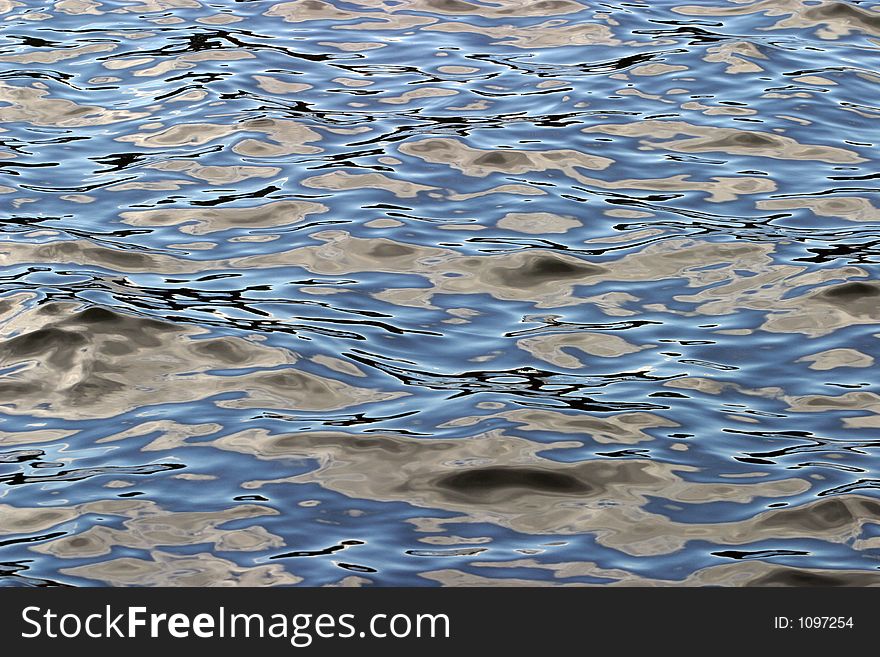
[438,292]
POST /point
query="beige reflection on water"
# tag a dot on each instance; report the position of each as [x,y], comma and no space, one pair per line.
[853,208]
[538,223]
[621,428]
[549,348]
[748,573]
[32,104]
[731,275]
[496,478]
[201,221]
[480,163]
[91,363]
[707,139]
[834,19]
[284,137]
[834,358]
[168,569]
[341,180]
[149,526]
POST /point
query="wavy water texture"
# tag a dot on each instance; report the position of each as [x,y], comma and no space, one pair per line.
[439,292]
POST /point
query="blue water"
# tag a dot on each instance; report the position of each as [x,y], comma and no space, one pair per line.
[439,292]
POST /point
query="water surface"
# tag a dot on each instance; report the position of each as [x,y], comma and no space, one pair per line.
[439,292]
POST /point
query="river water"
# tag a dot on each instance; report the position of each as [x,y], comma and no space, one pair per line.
[439,292]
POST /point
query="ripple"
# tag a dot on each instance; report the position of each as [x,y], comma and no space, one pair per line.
[438,292]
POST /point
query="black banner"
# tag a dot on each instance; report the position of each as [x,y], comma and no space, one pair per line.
[399,621]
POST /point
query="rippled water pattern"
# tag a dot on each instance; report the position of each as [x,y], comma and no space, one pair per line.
[439,292]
